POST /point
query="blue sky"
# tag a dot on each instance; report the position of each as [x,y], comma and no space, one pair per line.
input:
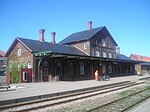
[128,21]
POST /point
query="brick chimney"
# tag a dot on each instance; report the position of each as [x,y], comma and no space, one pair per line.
[89,25]
[53,37]
[41,38]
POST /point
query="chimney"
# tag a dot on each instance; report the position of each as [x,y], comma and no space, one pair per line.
[89,25]
[53,37]
[41,38]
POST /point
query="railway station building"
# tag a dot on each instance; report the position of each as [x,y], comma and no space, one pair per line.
[77,57]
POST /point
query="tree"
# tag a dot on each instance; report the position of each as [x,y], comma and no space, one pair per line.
[13,70]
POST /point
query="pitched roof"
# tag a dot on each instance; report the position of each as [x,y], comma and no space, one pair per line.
[35,46]
[140,58]
[123,57]
[83,35]
[145,64]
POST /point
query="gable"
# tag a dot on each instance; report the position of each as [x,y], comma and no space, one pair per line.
[81,36]
[87,35]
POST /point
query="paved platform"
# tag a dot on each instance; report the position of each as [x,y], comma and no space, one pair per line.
[23,90]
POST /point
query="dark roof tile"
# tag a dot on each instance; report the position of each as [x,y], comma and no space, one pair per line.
[79,36]
[36,46]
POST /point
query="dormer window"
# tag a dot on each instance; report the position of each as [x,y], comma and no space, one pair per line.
[85,45]
[103,43]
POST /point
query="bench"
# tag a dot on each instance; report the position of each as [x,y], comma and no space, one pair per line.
[3,86]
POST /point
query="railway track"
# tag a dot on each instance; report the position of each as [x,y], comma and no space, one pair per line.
[123,104]
[39,104]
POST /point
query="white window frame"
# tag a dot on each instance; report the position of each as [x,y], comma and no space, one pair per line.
[19,52]
[24,76]
[104,54]
[103,43]
[29,64]
[85,45]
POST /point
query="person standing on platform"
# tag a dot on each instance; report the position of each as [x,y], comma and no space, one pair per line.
[96,75]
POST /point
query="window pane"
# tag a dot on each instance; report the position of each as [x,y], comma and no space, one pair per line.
[81,68]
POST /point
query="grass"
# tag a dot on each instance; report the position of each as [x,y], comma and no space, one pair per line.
[127,92]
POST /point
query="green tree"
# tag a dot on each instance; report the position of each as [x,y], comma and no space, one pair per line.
[13,70]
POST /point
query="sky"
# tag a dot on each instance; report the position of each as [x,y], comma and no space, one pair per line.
[128,21]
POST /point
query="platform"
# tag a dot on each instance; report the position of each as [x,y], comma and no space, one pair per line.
[36,90]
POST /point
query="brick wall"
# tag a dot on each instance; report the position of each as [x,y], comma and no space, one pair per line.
[24,57]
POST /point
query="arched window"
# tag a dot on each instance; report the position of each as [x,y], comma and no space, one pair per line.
[29,64]
[103,43]
[82,68]
[71,69]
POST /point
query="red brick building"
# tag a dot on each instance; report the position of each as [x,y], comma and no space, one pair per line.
[144,66]
[76,57]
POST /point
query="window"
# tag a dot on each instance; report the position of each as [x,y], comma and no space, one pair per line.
[109,45]
[103,43]
[110,55]
[109,69]
[81,68]
[97,53]
[103,54]
[25,76]
[104,69]
[29,64]
[96,42]
[85,45]
[71,69]
[19,52]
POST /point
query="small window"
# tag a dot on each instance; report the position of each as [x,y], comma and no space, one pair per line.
[97,53]
[96,43]
[19,52]
[110,55]
[103,54]
[29,64]
[85,45]
[109,45]
[25,76]
[103,43]
[82,68]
